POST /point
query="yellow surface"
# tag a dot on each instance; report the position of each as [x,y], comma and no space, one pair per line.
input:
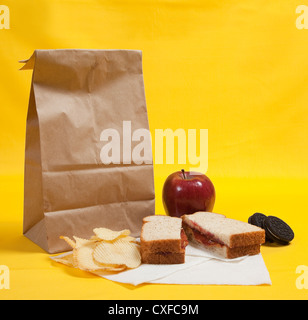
[236,68]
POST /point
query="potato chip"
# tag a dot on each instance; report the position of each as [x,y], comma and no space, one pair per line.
[117,252]
[83,258]
[69,241]
[67,260]
[109,235]
[81,242]
[131,239]
[78,241]
[107,269]
[105,251]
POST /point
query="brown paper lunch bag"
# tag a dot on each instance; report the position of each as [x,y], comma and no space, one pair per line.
[68,189]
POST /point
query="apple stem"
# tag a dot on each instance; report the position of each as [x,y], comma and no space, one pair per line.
[183,171]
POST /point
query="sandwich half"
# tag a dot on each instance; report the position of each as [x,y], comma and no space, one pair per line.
[162,240]
[224,237]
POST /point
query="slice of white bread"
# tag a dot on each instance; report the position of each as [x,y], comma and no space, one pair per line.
[226,237]
[161,240]
[158,227]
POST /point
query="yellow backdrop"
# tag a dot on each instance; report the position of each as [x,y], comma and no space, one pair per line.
[237,68]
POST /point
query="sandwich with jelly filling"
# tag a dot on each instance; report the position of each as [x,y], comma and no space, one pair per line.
[162,240]
[222,236]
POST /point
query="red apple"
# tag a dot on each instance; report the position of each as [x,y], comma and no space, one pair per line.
[188,192]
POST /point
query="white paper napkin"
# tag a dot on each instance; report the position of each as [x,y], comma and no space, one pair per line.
[201,268]
[248,271]
[153,272]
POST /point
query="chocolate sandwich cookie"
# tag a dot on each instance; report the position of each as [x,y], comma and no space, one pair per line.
[257,219]
[277,230]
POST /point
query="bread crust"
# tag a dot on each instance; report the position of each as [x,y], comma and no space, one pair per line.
[162,258]
[170,245]
[243,251]
[247,239]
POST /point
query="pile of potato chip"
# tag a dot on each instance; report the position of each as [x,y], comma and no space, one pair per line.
[106,250]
